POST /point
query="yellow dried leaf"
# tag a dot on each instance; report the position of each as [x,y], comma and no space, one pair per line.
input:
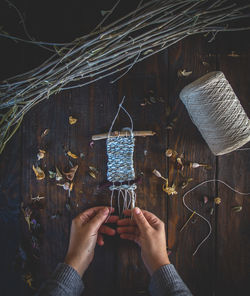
[41,154]
[40,175]
[92,174]
[72,155]
[58,175]
[72,120]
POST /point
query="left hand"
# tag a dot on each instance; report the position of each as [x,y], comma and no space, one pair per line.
[87,230]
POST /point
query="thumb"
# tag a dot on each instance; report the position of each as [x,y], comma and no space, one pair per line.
[140,219]
[99,218]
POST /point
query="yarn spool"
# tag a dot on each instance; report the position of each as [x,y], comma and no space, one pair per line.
[217,112]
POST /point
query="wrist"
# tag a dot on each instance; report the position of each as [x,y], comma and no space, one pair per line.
[78,264]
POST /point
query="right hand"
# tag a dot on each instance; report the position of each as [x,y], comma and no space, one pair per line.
[148,231]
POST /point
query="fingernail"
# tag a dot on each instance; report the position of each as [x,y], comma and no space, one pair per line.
[105,211]
[137,210]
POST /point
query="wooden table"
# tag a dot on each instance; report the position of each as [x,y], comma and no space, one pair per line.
[220,266]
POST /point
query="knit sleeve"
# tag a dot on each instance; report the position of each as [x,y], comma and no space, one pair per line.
[166,281]
[64,281]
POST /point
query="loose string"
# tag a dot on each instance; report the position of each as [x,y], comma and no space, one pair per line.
[117,113]
[209,224]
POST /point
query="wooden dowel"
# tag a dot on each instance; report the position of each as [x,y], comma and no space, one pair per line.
[123,134]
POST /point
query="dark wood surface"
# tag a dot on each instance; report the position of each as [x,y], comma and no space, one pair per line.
[220,266]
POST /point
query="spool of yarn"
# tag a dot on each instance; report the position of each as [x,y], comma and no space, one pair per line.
[217,112]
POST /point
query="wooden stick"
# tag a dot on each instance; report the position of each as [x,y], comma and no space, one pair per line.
[123,134]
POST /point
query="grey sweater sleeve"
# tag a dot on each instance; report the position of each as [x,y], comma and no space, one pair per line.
[65,281]
[166,281]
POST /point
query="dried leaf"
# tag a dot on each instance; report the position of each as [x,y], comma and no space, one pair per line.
[66,185]
[237,209]
[37,198]
[233,54]
[58,175]
[169,190]
[92,174]
[40,175]
[52,175]
[186,182]
[217,200]
[82,155]
[69,153]
[45,133]
[41,154]
[179,161]
[206,64]
[72,120]
[152,100]
[71,174]
[183,73]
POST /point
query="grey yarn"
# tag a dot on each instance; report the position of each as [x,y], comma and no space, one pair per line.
[216,111]
[120,159]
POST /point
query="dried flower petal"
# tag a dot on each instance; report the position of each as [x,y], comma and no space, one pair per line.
[211,211]
[92,174]
[183,73]
[91,144]
[217,200]
[205,199]
[194,165]
[179,161]
[237,209]
[72,120]
[157,173]
[41,154]
[66,185]
[71,174]
[40,175]
[45,133]
[52,174]
[186,182]
[37,198]
[233,54]
[58,175]
[169,190]
[69,153]
[169,152]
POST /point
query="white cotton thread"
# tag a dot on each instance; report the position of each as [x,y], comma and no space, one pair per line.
[209,224]
[217,112]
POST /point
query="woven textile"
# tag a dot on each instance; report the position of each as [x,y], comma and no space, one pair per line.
[120,159]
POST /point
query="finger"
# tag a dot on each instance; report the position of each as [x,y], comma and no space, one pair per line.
[152,219]
[112,219]
[106,230]
[127,212]
[99,219]
[129,236]
[100,240]
[126,221]
[86,216]
[140,220]
[128,229]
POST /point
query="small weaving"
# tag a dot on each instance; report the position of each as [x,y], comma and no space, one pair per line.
[120,159]
[120,171]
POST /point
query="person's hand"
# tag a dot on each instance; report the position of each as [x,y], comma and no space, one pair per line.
[87,229]
[148,231]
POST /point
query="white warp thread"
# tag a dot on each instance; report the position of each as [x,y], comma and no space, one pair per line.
[216,111]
